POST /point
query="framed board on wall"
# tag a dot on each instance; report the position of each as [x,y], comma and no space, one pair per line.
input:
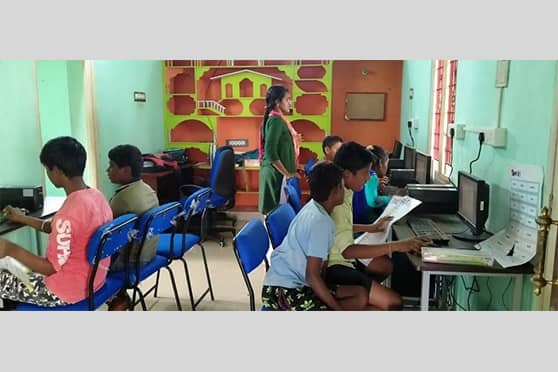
[365,106]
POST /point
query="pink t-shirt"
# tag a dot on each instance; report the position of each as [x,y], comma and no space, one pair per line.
[80,216]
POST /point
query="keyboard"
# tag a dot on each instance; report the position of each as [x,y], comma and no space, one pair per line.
[427,227]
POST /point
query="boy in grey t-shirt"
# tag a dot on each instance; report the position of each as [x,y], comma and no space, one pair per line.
[133,196]
[294,280]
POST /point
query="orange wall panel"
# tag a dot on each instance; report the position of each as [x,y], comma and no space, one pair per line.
[382,76]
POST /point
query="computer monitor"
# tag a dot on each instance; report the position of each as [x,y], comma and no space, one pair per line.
[422,167]
[472,206]
[409,157]
[396,153]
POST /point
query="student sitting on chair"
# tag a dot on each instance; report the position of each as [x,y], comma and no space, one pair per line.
[344,268]
[368,204]
[60,278]
[330,145]
[294,280]
[133,196]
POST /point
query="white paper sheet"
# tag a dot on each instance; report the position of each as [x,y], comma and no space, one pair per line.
[398,207]
[521,232]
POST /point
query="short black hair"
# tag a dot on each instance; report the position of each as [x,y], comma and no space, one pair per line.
[379,155]
[330,141]
[353,156]
[66,153]
[323,178]
[127,156]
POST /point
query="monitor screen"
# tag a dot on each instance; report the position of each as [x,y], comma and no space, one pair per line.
[409,157]
[467,199]
[397,147]
[422,168]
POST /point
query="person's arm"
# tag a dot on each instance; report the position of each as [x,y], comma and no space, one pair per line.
[275,129]
[376,227]
[315,281]
[355,251]
[16,215]
[36,263]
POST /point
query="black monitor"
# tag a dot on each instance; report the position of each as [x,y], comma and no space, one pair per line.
[472,206]
[396,153]
[422,167]
[409,157]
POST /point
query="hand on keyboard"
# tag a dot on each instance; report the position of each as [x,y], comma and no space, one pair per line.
[411,245]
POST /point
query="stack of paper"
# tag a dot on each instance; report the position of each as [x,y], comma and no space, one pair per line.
[456,256]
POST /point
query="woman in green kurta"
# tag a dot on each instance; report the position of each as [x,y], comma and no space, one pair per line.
[279,144]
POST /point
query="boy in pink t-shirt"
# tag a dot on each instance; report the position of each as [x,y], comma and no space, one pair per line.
[61,277]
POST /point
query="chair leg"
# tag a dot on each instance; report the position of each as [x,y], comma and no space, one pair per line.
[142,299]
[173,282]
[157,283]
[207,272]
[133,299]
[188,283]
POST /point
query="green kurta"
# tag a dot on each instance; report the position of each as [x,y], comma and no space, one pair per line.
[278,145]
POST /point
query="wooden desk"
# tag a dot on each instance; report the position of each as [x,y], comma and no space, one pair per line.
[451,224]
[166,183]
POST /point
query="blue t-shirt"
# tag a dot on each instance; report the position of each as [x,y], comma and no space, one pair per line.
[310,234]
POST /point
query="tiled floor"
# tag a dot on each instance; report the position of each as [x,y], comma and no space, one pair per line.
[228,285]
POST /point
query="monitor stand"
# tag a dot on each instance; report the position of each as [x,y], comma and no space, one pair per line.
[468,237]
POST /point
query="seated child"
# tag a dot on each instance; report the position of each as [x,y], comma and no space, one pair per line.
[330,145]
[344,267]
[294,280]
[60,278]
[133,196]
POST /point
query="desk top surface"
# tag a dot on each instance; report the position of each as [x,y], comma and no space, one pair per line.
[51,205]
[452,224]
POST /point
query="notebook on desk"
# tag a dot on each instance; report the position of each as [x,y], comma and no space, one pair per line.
[456,256]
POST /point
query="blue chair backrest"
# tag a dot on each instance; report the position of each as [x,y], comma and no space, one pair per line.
[158,220]
[295,183]
[309,165]
[292,198]
[252,244]
[278,222]
[111,237]
[222,177]
[197,202]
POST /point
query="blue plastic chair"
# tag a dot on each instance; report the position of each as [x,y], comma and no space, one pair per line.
[175,246]
[295,183]
[153,222]
[250,247]
[292,198]
[222,182]
[109,239]
[309,165]
[277,223]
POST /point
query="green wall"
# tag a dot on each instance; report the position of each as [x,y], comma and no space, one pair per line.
[120,120]
[19,136]
[527,109]
[418,76]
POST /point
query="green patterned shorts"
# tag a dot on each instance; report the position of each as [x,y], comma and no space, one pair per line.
[295,299]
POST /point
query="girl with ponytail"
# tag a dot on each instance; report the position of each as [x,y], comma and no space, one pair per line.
[279,148]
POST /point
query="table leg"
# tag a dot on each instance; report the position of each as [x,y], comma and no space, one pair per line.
[517,289]
[425,291]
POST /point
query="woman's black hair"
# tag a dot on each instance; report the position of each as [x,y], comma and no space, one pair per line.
[274,94]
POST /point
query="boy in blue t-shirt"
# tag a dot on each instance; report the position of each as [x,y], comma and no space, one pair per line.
[294,280]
